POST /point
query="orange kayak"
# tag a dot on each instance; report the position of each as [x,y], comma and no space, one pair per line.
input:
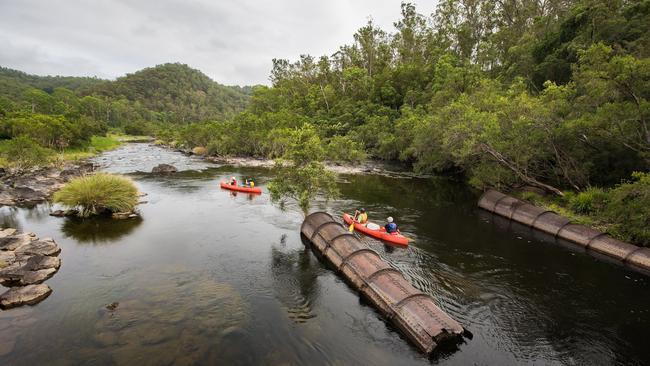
[255,190]
[381,234]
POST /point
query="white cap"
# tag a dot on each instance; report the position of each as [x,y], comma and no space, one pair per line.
[389,219]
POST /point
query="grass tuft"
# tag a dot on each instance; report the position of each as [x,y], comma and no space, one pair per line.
[98,193]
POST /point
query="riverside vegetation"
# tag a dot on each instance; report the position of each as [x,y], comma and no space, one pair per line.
[502,94]
[98,194]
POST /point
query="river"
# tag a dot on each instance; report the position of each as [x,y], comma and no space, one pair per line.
[210,277]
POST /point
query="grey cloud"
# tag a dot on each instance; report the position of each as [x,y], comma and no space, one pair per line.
[231,41]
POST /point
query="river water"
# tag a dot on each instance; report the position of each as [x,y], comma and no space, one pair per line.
[209,277]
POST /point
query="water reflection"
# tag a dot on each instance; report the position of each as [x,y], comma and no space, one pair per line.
[9,218]
[295,281]
[98,230]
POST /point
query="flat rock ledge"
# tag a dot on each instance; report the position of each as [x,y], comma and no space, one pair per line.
[26,295]
[36,186]
[25,263]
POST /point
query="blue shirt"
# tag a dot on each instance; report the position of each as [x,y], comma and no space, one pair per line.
[391,227]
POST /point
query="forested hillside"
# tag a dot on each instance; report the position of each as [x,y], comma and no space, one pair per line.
[56,112]
[178,92]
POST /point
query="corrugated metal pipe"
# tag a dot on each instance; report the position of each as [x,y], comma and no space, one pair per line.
[560,227]
[410,310]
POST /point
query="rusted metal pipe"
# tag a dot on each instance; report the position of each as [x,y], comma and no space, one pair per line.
[560,227]
[410,310]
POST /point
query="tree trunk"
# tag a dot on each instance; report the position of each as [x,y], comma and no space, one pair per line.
[508,164]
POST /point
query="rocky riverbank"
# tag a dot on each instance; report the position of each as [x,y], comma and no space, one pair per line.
[25,263]
[30,188]
[365,167]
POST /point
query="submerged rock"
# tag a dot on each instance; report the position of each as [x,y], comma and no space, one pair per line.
[27,295]
[164,169]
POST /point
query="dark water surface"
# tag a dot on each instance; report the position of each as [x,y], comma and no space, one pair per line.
[208,277]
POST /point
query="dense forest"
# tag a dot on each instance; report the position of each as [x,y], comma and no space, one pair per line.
[551,94]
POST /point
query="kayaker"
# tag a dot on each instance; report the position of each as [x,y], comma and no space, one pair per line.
[361,215]
[390,226]
[250,183]
[233,181]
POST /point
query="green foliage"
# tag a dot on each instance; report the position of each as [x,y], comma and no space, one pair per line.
[303,183]
[98,193]
[344,149]
[592,200]
[23,153]
[300,175]
[179,93]
[104,143]
[629,209]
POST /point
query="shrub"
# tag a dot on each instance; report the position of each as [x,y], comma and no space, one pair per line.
[24,153]
[98,194]
[199,150]
[104,143]
[629,209]
[344,148]
[589,201]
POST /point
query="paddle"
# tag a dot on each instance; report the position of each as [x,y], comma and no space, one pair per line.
[351,228]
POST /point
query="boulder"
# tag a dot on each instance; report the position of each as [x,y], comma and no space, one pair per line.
[28,295]
[7,232]
[7,257]
[164,169]
[12,276]
[39,247]
[57,213]
[39,262]
[36,277]
[14,241]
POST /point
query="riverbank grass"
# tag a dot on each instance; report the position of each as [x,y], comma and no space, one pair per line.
[97,145]
[622,211]
[97,194]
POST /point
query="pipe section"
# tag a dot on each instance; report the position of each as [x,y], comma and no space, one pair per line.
[560,227]
[410,310]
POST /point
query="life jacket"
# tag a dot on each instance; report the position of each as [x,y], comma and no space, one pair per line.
[391,227]
[252,184]
[233,182]
[362,218]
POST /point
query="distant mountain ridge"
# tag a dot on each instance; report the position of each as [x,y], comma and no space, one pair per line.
[176,91]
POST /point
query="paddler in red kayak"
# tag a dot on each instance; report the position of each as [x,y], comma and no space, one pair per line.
[361,216]
[390,226]
[233,181]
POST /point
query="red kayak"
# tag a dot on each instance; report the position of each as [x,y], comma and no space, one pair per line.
[381,234]
[255,190]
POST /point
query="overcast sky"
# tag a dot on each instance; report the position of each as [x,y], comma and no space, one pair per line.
[233,42]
